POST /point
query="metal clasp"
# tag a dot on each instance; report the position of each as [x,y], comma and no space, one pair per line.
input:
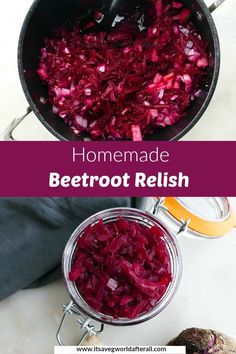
[159,206]
[89,329]
[184,227]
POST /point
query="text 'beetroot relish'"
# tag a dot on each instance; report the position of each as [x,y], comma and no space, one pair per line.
[126,83]
[121,268]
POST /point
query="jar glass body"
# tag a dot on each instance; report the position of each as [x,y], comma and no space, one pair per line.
[146,219]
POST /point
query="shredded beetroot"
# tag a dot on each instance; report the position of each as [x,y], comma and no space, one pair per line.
[122,268]
[131,81]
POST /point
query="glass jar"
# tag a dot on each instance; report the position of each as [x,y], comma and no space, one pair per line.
[204,217]
[80,308]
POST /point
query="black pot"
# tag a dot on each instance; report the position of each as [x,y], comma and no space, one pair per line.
[45,15]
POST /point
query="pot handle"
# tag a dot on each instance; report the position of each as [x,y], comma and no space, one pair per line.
[215,4]
[8,134]
[84,322]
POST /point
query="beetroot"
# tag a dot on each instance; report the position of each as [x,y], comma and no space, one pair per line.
[122,268]
[129,82]
[204,341]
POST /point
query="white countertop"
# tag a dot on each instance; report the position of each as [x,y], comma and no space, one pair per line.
[218,122]
[206,298]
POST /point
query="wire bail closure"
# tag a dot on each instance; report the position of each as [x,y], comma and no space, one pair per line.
[84,321]
[160,207]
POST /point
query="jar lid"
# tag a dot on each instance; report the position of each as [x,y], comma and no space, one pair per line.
[205,216]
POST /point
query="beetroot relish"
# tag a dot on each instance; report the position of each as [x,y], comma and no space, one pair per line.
[122,268]
[130,82]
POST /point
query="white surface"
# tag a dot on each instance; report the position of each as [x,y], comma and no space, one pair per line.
[206,298]
[218,123]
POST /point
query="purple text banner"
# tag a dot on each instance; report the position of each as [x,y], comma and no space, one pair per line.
[117,169]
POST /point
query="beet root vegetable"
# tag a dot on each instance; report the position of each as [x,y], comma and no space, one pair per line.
[204,341]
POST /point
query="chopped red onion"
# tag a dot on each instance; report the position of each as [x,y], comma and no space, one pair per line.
[112,284]
[136,133]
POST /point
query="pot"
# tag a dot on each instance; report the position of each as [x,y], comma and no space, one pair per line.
[195,217]
[43,17]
